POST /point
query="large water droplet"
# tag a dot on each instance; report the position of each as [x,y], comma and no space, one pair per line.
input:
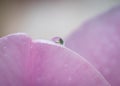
[58,40]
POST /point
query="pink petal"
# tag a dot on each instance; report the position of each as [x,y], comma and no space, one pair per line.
[98,40]
[24,62]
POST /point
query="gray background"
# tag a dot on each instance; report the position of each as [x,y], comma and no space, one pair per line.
[48,18]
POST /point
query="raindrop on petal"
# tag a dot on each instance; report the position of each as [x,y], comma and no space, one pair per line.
[58,40]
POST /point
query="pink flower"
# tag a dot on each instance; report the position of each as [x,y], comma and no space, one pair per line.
[27,62]
[98,40]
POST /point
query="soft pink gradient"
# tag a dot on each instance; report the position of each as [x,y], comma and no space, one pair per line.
[98,40]
[24,62]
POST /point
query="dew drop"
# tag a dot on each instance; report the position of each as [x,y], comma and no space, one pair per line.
[58,40]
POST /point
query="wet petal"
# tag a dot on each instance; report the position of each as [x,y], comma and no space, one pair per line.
[98,40]
[24,62]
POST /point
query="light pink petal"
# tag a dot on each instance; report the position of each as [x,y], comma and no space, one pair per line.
[14,51]
[98,40]
[42,63]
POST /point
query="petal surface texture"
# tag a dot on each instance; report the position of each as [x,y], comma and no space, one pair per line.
[24,62]
[98,40]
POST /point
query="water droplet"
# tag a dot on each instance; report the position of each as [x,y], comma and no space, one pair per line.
[58,40]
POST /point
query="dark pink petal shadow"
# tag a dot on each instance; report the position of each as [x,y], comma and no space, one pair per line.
[98,40]
[24,62]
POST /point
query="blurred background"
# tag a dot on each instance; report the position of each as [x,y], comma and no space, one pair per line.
[48,18]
